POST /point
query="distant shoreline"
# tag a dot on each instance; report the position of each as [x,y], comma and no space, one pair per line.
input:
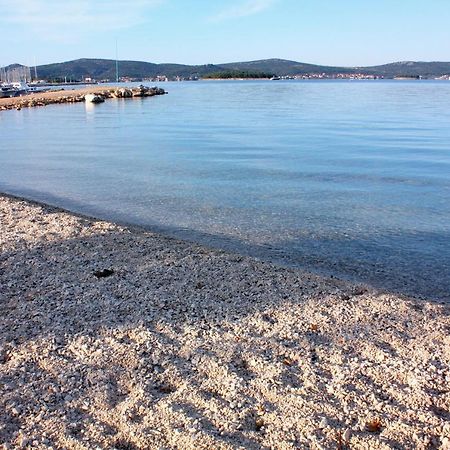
[105,69]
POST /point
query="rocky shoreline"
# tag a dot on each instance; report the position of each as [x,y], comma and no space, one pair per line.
[78,95]
[117,338]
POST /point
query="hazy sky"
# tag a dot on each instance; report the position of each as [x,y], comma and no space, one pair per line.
[331,32]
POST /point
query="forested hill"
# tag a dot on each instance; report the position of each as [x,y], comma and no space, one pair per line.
[284,67]
[102,69]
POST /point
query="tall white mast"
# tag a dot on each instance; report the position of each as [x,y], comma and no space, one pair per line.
[117,63]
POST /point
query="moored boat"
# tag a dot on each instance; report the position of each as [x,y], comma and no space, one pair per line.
[17,89]
[7,90]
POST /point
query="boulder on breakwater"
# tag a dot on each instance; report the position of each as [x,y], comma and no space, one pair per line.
[123,93]
[141,91]
[92,98]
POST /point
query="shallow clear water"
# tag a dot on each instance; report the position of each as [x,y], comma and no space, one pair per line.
[350,178]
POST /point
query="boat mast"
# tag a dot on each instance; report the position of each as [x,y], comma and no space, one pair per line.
[35,69]
[117,64]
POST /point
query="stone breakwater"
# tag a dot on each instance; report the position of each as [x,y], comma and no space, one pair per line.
[113,337]
[75,96]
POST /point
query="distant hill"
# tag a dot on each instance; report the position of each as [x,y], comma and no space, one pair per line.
[13,66]
[283,67]
[409,68]
[101,69]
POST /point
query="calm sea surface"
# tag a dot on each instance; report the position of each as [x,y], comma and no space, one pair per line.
[349,178]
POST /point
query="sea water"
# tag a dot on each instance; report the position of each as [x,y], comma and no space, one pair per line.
[346,178]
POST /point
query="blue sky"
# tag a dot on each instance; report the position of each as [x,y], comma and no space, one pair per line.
[331,32]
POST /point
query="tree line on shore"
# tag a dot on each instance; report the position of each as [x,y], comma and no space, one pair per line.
[231,74]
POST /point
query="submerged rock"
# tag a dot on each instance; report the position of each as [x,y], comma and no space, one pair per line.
[103,273]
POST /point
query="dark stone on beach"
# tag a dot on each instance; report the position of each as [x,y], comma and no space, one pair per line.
[359,291]
[103,273]
[4,356]
[259,423]
[269,319]
[124,445]
[166,388]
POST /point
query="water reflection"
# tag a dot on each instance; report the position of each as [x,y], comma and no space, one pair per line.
[350,177]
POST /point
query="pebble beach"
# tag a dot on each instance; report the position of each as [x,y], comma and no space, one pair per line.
[115,337]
